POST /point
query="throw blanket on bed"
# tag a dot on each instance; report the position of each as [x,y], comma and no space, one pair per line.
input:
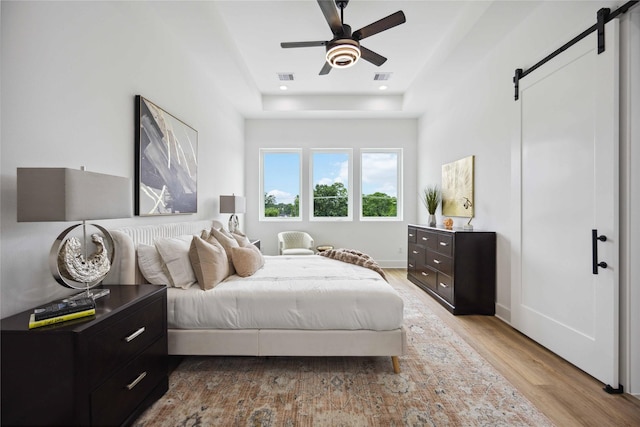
[354,257]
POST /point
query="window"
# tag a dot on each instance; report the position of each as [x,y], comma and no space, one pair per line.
[331,185]
[381,184]
[280,187]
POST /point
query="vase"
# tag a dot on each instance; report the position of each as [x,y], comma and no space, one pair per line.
[432,220]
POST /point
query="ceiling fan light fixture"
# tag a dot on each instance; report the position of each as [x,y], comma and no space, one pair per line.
[343,53]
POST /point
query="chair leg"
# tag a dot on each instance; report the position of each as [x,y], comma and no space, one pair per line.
[396,364]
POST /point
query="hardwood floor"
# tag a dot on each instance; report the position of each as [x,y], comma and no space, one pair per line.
[564,393]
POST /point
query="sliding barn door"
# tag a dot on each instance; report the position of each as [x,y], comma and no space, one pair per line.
[566,185]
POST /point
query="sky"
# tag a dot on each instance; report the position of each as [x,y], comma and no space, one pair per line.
[282,172]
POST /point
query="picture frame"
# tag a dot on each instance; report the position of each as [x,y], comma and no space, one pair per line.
[166,169]
[457,188]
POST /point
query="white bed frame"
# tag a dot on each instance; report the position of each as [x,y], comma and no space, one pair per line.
[247,342]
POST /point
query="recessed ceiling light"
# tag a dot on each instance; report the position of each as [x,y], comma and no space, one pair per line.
[283,87]
[383,87]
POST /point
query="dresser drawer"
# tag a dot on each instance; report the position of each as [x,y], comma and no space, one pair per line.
[412,235]
[427,239]
[121,394]
[440,262]
[445,244]
[118,343]
[445,287]
[416,253]
[427,276]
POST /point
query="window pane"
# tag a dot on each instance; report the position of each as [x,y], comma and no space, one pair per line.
[331,184]
[281,184]
[379,184]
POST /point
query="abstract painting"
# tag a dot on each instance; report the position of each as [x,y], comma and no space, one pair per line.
[166,162]
[457,188]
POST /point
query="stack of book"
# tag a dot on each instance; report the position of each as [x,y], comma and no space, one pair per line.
[62,311]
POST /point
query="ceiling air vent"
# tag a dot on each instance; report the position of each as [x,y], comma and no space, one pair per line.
[381,76]
[285,77]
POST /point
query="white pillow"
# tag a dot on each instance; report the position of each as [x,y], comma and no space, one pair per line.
[174,252]
[151,265]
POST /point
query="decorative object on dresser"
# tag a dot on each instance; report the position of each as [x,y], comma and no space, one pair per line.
[457,268]
[457,188]
[431,198]
[61,194]
[233,205]
[166,162]
[102,371]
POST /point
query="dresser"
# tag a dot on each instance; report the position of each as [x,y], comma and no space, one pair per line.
[456,267]
[98,371]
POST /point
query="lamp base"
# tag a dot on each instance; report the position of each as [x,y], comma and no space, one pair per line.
[91,293]
[234,224]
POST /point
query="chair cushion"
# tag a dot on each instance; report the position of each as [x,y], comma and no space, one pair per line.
[297,251]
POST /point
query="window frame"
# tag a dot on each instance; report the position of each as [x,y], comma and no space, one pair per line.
[261,215]
[399,184]
[349,153]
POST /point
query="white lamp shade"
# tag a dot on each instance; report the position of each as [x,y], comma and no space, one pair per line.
[62,194]
[233,204]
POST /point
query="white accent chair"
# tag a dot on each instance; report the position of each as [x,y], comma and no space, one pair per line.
[295,243]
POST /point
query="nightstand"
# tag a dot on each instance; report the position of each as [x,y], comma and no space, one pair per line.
[103,370]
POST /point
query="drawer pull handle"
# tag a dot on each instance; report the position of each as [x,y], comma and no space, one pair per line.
[425,238]
[443,244]
[136,381]
[135,335]
[415,252]
[425,274]
[436,261]
[410,234]
[443,285]
[410,265]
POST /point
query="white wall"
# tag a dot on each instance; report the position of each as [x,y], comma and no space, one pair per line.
[70,71]
[474,115]
[384,241]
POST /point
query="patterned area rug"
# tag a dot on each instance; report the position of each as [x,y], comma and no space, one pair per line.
[444,382]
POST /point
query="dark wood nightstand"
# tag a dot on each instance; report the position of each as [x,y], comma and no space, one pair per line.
[103,370]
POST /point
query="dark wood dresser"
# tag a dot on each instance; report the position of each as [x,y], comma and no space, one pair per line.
[456,267]
[104,370]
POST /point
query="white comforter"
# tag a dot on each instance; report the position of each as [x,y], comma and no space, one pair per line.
[297,292]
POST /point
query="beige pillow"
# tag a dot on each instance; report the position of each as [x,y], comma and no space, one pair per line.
[209,261]
[227,243]
[174,252]
[243,241]
[247,260]
[151,265]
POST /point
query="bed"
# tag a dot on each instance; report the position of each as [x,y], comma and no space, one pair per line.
[292,306]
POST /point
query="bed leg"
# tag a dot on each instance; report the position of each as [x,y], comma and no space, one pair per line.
[396,364]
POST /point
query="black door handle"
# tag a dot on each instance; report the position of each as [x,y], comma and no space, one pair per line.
[594,250]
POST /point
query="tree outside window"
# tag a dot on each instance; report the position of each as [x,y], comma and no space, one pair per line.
[331,179]
[280,184]
[380,184]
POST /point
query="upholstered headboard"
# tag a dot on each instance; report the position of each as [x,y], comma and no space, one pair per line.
[124,270]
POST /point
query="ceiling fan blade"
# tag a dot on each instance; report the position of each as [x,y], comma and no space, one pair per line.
[330,13]
[383,24]
[325,69]
[303,44]
[371,56]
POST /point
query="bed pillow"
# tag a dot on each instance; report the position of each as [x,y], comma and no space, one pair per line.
[174,252]
[151,265]
[243,241]
[209,261]
[247,260]
[227,243]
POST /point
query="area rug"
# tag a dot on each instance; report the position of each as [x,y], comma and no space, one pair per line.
[444,382]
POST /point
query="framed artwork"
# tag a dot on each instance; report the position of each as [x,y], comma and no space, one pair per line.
[457,188]
[166,162]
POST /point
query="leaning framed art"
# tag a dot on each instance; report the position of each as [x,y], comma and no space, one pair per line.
[166,172]
[457,188]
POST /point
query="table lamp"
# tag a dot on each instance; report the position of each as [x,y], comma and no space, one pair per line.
[234,205]
[62,194]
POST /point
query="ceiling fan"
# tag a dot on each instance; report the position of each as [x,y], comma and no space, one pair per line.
[344,49]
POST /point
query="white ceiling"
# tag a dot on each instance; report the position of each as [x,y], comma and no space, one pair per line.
[436,33]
